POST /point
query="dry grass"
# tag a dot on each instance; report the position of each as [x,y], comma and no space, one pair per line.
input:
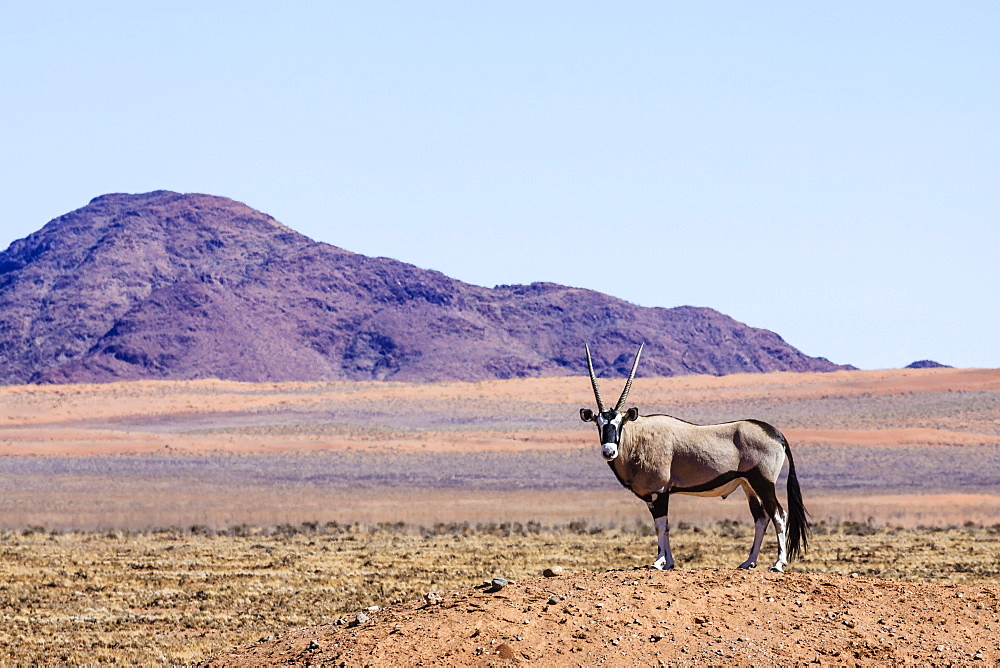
[904,447]
[175,596]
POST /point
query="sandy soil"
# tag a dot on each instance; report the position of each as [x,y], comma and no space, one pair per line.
[643,617]
[149,416]
[859,415]
[686,617]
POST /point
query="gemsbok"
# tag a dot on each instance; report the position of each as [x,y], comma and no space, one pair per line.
[655,456]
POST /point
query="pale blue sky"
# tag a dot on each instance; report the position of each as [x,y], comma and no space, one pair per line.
[826,170]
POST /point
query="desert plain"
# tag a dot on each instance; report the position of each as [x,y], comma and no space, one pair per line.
[168,522]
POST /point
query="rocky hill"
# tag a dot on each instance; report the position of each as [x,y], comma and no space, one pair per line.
[926,364]
[169,285]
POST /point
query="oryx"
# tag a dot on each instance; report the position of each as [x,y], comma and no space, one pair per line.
[655,456]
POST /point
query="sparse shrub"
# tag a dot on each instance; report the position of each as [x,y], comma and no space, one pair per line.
[489,528]
[243,530]
[200,530]
[730,529]
[167,533]
[450,529]
[853,528]
[692,555]
[638,528]
[394,528]
[286,530]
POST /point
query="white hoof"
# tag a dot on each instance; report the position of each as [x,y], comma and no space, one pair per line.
[661,565]
[777,568]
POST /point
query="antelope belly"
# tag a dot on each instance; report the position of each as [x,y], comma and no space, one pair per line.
[724,489]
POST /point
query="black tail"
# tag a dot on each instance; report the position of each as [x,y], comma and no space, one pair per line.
[798,517]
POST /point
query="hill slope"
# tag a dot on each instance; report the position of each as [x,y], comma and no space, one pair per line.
[681,617]
[167,285]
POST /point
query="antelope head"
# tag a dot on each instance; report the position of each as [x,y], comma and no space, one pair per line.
[610,422]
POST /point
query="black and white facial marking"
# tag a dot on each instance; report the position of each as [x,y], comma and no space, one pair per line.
[609,426]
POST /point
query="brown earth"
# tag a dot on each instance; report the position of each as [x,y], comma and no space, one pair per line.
[643,617]
[848,430]
[218,453]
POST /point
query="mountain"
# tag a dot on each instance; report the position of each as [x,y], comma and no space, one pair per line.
[169,285]
[926,364]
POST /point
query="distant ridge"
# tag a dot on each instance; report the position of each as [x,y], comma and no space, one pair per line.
[168,285]
[926,364]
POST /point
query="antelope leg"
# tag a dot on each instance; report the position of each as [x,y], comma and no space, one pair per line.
[658,509]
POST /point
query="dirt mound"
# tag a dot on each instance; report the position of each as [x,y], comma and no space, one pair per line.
[643,617]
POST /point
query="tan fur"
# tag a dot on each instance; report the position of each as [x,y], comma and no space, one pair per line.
[658,453]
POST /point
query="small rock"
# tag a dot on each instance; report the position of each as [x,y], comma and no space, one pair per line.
[361,619]
[553,599]
[432,598]
[553,571]
[506,652]
[498,583]
[939,648]
[373,608]
[313,645]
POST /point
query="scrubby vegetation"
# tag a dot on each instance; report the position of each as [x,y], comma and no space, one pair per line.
[176,595]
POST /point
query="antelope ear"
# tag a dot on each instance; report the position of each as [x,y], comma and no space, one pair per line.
[586,415]
[633,413]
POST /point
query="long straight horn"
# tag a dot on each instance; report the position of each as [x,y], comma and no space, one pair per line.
[593,381]
[628,383]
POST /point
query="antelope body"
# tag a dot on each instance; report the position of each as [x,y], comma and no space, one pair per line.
[656,456]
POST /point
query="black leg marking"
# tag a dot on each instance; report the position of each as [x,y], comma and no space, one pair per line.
[765,490]
[658,504]
[755,509]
